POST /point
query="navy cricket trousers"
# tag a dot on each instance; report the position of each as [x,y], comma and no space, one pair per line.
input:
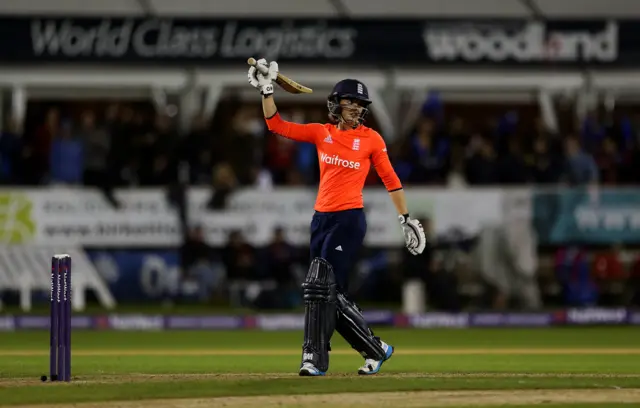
[338,237]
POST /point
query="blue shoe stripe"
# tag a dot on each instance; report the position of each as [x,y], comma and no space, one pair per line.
[389,352]
[386,357]
[314,373]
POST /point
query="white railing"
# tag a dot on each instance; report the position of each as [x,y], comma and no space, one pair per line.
[27,269]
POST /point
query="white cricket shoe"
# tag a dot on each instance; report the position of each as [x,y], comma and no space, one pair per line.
[309,370]
[370,366]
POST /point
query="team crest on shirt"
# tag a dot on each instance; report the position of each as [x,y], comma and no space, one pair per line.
[356,144]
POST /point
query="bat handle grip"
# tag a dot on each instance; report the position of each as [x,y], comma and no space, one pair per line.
[263,70]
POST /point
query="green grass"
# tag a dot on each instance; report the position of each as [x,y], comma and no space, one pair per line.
[34,366]
[143,365]
[588,337]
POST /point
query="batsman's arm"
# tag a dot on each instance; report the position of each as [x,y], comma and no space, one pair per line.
[399,201]
[382,164]
[269,107]
[303,133]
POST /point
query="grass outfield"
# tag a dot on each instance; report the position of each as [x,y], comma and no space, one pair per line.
[562,367]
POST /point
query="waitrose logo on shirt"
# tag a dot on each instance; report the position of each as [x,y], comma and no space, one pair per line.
[335,160]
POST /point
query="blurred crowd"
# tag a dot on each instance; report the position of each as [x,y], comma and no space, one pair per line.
[512,148]
[131,145]
[275,270]
[451,273]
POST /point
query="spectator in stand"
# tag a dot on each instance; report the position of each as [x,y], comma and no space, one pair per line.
[155,147]
[196,151]
[459,136]
[67,157]
[428,154]
[626,138]
[512,166]
[10,153]
[122,153]
[592,133]
[482,166]
[39,151]
[505,132]
[610,162]
[97,142]
[242,144]
[111,117]
[631,169]
[162,171]
[281,258]
[197,259]
[239,258]
[97,146]
[545,166]
[580,167]
[224,183]
[540,130]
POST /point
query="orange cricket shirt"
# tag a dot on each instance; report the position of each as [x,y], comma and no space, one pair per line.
[345,157]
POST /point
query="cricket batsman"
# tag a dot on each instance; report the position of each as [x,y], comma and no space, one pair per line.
[346,149]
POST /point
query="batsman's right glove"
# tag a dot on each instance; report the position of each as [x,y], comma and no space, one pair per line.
[263,82]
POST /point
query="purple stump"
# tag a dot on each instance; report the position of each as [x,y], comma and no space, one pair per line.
[61,319]
[67,322]
[53,323]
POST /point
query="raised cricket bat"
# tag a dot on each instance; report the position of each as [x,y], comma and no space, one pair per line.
[285,83]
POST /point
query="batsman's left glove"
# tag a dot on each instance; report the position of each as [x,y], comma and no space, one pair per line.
[414,236]
[263,82]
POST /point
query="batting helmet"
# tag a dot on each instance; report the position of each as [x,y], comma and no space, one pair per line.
[348,89]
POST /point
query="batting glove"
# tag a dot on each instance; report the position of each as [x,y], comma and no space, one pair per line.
[414,236]
[263,75]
